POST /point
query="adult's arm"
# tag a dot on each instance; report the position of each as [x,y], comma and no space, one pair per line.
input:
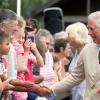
[75,77]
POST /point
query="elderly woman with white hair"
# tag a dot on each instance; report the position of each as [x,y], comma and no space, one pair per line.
[78,37]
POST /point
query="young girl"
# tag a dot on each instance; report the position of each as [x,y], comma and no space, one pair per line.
[22,63]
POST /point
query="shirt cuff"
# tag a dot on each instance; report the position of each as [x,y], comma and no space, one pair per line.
[53,92]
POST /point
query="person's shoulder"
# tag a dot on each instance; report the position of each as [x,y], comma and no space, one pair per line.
[90,45]
[87,48]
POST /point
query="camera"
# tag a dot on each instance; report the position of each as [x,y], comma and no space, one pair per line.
[32,38]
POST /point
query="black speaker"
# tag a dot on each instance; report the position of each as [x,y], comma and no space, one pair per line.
[53,19]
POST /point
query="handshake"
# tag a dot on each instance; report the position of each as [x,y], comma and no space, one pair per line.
[43,90]
[27,86]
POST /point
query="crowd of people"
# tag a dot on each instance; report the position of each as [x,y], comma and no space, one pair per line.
[36,65]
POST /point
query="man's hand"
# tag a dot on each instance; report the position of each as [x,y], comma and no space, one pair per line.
[7,85]
[31,87]
[43,91]
[27,84]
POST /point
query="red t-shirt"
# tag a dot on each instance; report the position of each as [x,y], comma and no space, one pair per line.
[29,76]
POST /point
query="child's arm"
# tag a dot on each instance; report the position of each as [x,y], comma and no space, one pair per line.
[38,78]
[1,85]
[38,56]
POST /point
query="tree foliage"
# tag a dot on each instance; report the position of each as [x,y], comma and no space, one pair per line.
[26,5]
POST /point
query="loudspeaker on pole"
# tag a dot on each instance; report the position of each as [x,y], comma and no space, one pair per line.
[53,19]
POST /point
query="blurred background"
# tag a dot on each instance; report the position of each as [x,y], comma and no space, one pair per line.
[73,10]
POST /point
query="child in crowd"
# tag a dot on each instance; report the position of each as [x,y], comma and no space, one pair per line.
[35,60]
[25,59]
[22,63]
[4,49]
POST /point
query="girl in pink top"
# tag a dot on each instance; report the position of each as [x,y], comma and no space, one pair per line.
[22,67]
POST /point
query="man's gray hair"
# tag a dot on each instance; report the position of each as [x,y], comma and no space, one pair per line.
[95,16]
[7,14]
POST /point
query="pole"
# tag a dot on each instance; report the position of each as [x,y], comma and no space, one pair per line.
[18,7]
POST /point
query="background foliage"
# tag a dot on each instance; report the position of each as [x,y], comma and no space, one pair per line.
[26,6]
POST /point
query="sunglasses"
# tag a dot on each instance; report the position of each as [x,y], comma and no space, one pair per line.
[29,29]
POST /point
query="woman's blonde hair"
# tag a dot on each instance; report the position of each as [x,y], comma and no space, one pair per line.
[79,31]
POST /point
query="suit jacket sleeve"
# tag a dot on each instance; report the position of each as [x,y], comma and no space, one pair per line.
[75,77]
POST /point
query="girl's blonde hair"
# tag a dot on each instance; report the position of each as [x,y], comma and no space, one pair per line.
[21,22]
